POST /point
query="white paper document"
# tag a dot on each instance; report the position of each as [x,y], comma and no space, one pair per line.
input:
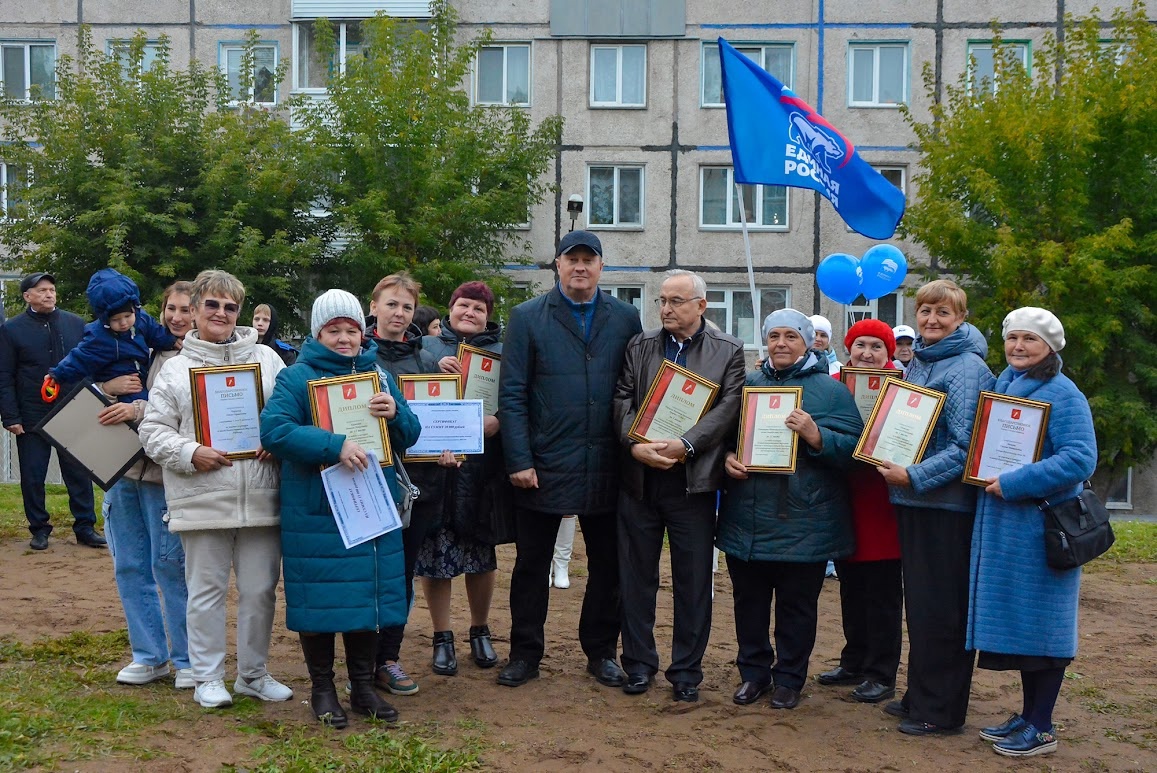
[361,502]
[452,425]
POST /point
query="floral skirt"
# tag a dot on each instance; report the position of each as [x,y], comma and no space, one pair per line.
[445,554]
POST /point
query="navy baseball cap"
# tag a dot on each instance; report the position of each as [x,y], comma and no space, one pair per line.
[30,281]
[580,239]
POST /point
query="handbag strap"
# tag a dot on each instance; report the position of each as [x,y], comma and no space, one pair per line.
[1044,504]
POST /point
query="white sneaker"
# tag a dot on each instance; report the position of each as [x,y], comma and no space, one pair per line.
[139,673]
[264,687]
[213,695]
[184,680]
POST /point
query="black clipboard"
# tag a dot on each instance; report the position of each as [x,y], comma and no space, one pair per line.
[105,452]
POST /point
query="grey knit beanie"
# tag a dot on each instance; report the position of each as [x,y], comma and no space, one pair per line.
[793,319]
[336,304]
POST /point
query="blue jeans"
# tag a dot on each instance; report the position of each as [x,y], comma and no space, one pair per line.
[147,558]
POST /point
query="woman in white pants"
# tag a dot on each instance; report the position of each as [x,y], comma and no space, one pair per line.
[225,511]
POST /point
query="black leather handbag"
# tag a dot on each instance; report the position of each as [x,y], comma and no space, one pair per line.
[1076,530]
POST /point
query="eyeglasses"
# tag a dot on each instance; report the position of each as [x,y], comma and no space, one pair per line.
[675,303]
[212,304]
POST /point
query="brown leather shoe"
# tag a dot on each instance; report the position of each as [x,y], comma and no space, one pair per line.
[750,692]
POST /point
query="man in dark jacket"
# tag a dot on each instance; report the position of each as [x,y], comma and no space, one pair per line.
[30,344]
[560,362]
[669,484]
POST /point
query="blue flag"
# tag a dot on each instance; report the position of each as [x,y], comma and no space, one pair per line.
[778,139]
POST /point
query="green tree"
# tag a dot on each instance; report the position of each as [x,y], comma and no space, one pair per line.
[421,179]
[1042,194]
[156,173]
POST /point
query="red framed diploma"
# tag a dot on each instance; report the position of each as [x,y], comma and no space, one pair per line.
[341,405]
[865,385]
[765,442]
[1008,432]
[901,424]
[480,369]
[430,386]
[227,403]
[675,402]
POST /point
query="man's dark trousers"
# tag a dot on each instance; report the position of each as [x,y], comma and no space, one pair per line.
[530,593]
[34,453]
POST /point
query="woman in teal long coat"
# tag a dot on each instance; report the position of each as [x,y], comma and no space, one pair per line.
[330,589]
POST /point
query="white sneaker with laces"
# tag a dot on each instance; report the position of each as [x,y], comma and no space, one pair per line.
[264,687]
[184,680]
[139,673]
[213,695]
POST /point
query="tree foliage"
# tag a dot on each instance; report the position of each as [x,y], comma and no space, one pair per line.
[1043,194]
[156,173]
[420,178]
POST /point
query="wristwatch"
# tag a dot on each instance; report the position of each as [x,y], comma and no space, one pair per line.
[690,449]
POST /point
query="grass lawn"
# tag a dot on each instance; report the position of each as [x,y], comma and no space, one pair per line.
[12,521]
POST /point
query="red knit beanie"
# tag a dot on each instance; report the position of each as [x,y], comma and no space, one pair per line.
[874,328]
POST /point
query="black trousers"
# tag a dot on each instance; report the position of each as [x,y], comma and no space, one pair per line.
[34,453]
[872,605]
[390,639]
[689,521]
[796,590]
[530,594]
[935,548]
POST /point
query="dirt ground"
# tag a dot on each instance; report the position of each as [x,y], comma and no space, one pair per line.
[566,721]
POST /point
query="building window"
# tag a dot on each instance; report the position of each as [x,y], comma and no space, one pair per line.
[1120,493]
[982,64]
[776,58]
[889,309]
[310,70]
[13,181]
[615,194]
[731,311]
[765,205]
[618,76]
[877,74]
[632,294]
[120,50]
[502,75]
[28,70]
[262,86]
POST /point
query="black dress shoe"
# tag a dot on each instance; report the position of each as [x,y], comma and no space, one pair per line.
[914,727]
[517,673]
[481,648]
[637,684]
[606,671]
[685,692]
[39,542]
[784,698]
[896,709]
[750,692]
[91,539]
[839,675]
[873,692]
[445,660]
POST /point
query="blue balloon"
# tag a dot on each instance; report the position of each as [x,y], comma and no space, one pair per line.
[884,270]
[839,277]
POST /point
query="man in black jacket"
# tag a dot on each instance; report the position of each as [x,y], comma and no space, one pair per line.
[669,483]
[30,344]
[560,362]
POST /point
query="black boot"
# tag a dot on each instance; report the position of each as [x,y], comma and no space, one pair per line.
[361,649]
[318,651]
[445,661]
[481,648]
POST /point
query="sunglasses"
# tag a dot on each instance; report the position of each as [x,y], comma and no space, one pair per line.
[212,304]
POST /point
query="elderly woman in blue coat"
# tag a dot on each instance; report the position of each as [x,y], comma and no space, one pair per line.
[330,589]
[1022,614]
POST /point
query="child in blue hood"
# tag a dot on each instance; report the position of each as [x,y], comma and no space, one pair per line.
[119,341]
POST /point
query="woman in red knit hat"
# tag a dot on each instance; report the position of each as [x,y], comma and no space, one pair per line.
[871,593]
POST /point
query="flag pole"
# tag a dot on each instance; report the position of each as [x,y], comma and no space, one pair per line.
[756,321]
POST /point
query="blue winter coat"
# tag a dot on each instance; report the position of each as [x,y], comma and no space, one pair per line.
[1016,604]
[953,365]
[327,587]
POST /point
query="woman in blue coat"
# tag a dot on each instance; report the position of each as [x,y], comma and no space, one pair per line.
[330,589]
[1022,615]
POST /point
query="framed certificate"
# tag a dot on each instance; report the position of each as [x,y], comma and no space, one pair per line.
[900,425]
[865,385]
[105,451]
[480,376]
[675,401]
[447,425]
[1009,432]
[341,405]
[765,442]
[227,403]
[430,386]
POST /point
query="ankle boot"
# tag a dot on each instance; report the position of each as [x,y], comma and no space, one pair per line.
[563,547]
[318,651]
[445,661]
[361,649]
[481,648]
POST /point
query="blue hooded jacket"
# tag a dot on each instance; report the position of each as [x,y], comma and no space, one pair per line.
[102,354]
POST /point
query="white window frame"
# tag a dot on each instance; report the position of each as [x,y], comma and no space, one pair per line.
[712,50]
[618,101]
[876,48]
[728,304]
[753,218]
[116,47]
[613,289]
[973,45]
[506,46]
[4,183]
[342,52]
[223,50]
[27,46]
[1127,502]
[854,312]
[617,223]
